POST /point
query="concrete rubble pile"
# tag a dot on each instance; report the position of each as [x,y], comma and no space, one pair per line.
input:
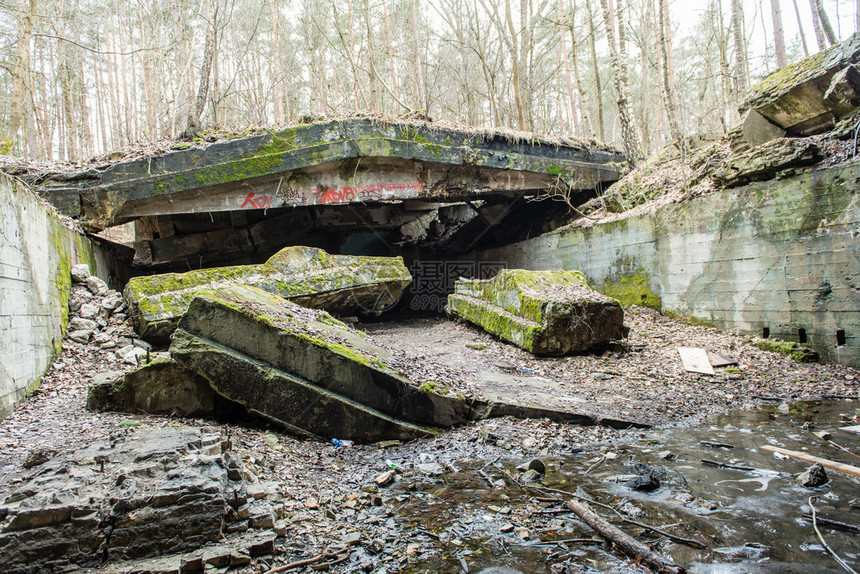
[543,312]
[181,494]
[303,369]
[98,316]
[341,284]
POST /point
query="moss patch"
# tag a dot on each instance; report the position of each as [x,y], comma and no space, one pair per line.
[791,349]
[632,290]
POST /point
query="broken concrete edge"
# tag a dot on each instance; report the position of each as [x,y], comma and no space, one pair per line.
[767,161]
[265,390]
[287,153]
[161,386]
[778,83]
[311,345]
[538,311]
[309,276]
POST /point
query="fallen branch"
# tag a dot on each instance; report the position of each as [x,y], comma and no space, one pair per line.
[626,543]
[726,465]
[831,464]
[830,551]
[673,537]
[302,563]
[835,524]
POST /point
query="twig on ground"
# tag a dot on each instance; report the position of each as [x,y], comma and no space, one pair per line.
[830,551]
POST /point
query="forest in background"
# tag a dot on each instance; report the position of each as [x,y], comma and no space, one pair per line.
[83,77]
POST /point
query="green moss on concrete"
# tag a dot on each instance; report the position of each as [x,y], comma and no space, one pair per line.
[632,290]
[688,319]
[791,349]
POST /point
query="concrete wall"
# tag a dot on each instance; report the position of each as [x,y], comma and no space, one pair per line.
[782,255]
[36,254]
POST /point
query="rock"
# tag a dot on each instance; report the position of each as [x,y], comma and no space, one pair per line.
[39,455]
[262,515]
[757,130]
[643,483]
[632,510]
[112,301]
[96,285]
[159,387]
[813,477]
[535,464]
[431,469]
[544,312]
[385,478]
[80,324]
[766,161]
[80,272]
[351,539]
[101,339]
[81,336]
[531,476]
[809,96]
[89,311]
[304,369]
[280,528]
[131,354]
[667,455]
[157,494]
[341,284]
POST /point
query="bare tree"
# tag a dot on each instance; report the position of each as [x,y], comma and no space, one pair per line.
[778,34]
[20,72]
[629,131]
[741,66]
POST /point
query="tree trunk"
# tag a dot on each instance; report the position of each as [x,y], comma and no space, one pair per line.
[564,57]
[390,47]
[598,89]
[20,70]
[419,64]
[800,27]
[778,34]
[670,98]
[277,74]
[825,23]
[816,25]
[515,65]
[741,69]
[193,124]
[629,131]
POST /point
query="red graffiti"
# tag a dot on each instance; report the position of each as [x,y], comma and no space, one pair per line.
[335,195]
[256,202]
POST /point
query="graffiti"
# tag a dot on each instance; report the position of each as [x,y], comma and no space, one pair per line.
[331,195]
[256,201]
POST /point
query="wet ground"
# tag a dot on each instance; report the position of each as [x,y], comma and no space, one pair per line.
[749,520]
[458,503]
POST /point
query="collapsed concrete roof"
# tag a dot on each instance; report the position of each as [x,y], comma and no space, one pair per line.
[351,161]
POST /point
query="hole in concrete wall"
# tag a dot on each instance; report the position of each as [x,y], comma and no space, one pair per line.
[840,337]
[765,332]
[801,335]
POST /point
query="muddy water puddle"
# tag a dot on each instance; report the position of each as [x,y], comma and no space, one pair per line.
[477,516]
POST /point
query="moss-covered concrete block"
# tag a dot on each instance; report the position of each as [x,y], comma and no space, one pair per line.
[544,312]
[803,98]
[341,284]
[767,160]
[304,369]
[162,386]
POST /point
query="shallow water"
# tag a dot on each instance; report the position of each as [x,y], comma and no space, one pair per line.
[750,520]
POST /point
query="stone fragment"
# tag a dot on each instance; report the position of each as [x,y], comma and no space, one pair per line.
[111,301]
[544,312]
[80,272]
[803,98]
[643,483]
[262,515]
[766,161]
[385,478]
[431,469]
[757,130]
[155,495]
[308,276]
[162,386]
[80,324]
[813,477]
[88,311]
[101,339]
[39,455]
[81,336]
[304,369]
[96,285]
[131,354]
